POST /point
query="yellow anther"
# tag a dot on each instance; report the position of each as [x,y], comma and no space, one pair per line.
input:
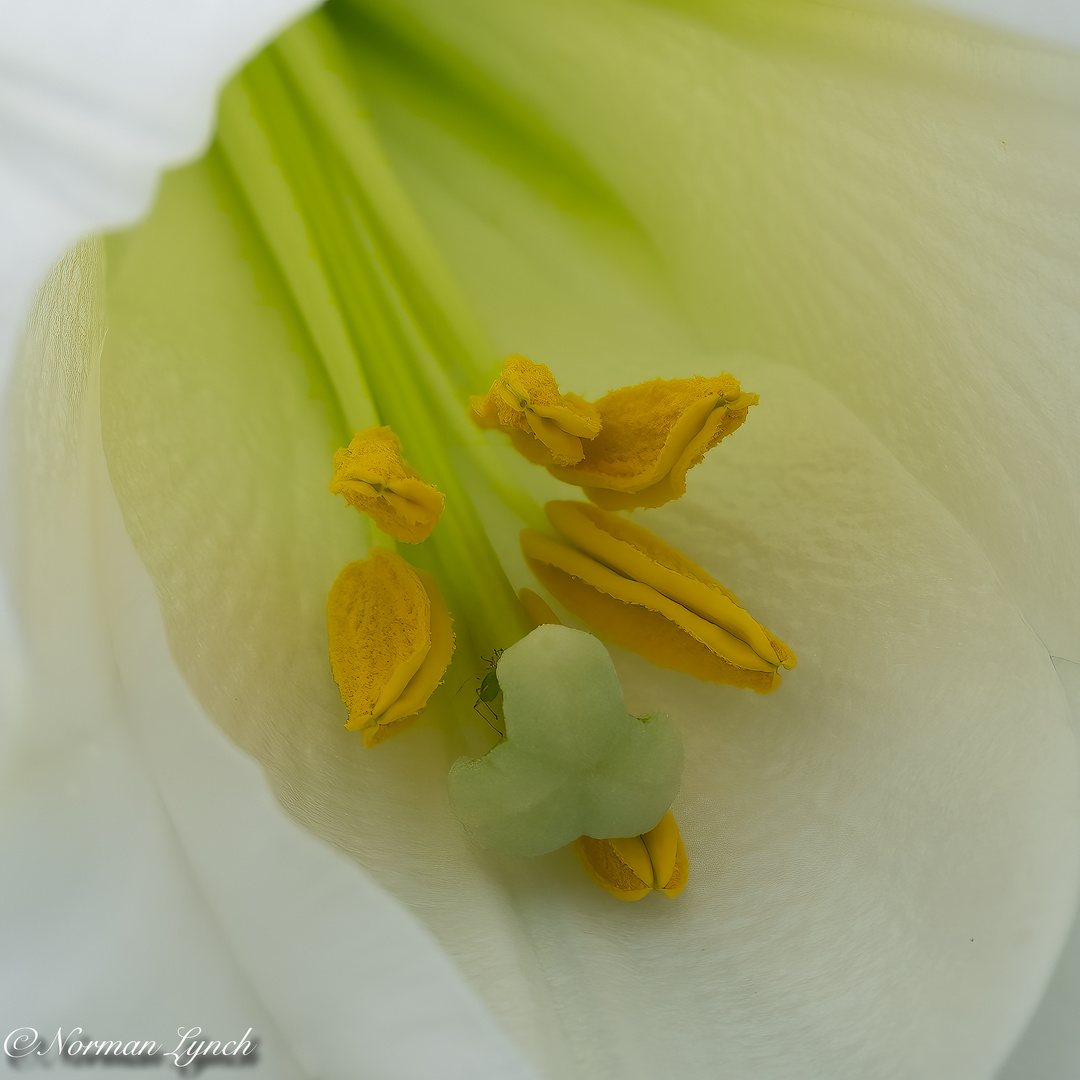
[390,642]
[628,584]
[671,868]
[372,476]
[631,867]
[651,435]
[544,424]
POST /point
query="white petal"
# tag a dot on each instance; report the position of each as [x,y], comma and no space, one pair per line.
[1053,20]
[1030,809]
[96,97]
[677,124]
[878,197]
[155,882]
[911,787]
[1050,1046]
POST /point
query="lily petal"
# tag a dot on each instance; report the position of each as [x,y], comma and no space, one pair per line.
[182,886]
[929,681]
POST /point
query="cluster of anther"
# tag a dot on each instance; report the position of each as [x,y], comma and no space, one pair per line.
[628,584]
[390,632]
[572,765]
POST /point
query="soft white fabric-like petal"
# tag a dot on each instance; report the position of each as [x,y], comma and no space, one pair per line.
[1053,20]
[1050,1047]
[1021,499]
[153,880]
[1040,832]
[96,98]
[911,787]
[876,195]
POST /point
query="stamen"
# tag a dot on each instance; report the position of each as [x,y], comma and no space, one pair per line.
[373,477]
[651,435]
[627,583]
[631,867]
[545,425]
[390,642]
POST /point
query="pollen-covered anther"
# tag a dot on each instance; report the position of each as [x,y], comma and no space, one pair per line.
[372,476]
[631,867]
[629,585]
[651,434]
[546,426]
[390,642]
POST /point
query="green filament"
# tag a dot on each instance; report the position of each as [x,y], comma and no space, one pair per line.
[398,345]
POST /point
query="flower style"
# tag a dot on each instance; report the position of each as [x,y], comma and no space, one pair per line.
[890,824]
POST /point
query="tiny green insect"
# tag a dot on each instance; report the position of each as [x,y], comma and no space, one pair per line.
[489,688]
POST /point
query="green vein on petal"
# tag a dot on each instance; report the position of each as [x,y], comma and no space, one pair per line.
[439,83]
[371,286]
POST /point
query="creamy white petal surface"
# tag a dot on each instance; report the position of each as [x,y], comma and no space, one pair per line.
[886,850]
[1053,20]
[804,259]
[96,99]
[154,882]
[130,644]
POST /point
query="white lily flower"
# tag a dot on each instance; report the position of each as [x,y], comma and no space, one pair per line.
[865,214]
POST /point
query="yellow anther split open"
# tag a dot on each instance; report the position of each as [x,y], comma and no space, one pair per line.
[651,435]
[390,642]
[633,866]
[628,584]
[545,425]
[372,476]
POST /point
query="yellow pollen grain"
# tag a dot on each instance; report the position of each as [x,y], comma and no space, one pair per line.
[603,864]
